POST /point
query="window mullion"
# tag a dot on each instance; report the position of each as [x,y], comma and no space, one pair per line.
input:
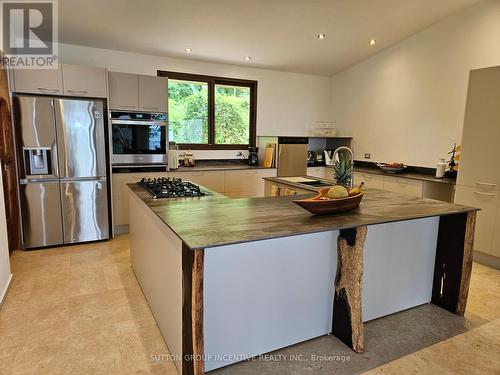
[211,113]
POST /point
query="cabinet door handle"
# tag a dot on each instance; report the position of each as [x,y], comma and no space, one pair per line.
[151,108]
[485,194]
[368,177]
[485,184]
[81,92]
[126,106]
[402,182]
[44,89]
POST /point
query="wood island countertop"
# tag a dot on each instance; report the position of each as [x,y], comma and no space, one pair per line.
[215,220]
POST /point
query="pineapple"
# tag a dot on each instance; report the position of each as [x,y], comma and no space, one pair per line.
[342,170]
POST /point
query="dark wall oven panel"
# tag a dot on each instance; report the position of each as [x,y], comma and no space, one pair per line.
[139,140]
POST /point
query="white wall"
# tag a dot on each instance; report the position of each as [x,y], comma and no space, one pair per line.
[5,274]
[407,103]
[287,103]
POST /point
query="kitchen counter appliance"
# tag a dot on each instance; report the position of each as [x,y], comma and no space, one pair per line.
[164,187]
[312,158]
[253,156]
[63,171]
[139,139]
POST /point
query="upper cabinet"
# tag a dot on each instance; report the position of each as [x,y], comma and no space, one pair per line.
[84,81]
[137,92]
[123,91]
[38,81]
[153,93]
[71,80]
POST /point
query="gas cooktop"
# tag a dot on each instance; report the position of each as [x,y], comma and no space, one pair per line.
[164,187]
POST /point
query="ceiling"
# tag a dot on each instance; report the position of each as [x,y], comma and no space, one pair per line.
[277,34]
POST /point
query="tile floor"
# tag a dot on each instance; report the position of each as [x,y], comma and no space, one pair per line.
[79,310]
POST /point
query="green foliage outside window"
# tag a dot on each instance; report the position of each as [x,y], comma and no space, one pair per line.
[188,113]
[232,115]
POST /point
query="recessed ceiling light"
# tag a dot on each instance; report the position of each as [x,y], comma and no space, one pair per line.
[321,36]
[187,50]
[372,42]
[248,58]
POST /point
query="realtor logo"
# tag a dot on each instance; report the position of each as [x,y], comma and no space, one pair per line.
[29,33]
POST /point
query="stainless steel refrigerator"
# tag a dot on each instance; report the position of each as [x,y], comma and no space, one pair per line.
[63,174]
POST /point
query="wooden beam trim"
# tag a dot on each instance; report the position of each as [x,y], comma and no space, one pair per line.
[453,263]
[197,312]
[466,263]
[347,310]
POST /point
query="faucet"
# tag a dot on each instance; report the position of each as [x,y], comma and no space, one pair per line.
[335,156]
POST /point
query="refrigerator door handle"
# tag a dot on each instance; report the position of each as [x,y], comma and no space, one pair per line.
[25,181]
[73,179]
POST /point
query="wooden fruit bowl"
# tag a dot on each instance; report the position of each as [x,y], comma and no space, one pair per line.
[318,206]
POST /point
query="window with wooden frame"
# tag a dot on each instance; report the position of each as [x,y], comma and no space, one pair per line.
[211,113]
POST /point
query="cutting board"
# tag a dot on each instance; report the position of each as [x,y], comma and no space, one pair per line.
[269,155]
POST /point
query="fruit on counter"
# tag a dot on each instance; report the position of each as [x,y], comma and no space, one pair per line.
[393,165]
[337,191]
[355,191]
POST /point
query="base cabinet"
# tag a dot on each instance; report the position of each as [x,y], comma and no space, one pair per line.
[321,172]
[232,183]
[422,189]
[213,180]
[316,172]
[246,183]
[274,189]
[371,181]
[403,186]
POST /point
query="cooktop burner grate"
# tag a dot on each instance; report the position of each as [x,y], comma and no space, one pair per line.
[164,187]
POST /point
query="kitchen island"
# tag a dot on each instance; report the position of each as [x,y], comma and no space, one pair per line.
[229,279]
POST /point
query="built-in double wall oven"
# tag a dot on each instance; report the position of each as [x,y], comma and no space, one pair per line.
[139,139]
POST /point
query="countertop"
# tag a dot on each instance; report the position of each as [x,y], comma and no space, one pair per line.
[409,175]
[219,166]
[205,222]
[201,165]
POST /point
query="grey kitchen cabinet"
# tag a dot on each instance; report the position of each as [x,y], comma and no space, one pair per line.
[478,183]
[38,81]
[481,132]
[153,92]
[81,80]
[123,91]
[67,79]
[137,92]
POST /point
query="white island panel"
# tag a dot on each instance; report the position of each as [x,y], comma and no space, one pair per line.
[156,257]
[398,266]
[266,295]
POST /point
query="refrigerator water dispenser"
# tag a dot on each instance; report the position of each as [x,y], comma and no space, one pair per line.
[37,161]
